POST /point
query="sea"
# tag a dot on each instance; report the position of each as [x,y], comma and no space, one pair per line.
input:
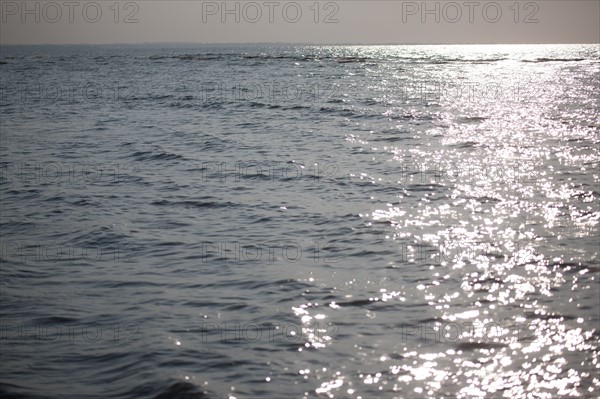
[300,221]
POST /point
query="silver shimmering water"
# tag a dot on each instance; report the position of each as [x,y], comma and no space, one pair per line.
[373,222]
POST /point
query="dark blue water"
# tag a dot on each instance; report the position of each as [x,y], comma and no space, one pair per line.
[286,222]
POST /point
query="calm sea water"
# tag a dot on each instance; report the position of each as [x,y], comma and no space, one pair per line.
[287,222]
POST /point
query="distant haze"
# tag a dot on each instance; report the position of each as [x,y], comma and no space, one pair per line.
[325,22]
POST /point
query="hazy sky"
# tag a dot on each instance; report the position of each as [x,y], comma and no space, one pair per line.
[304,21]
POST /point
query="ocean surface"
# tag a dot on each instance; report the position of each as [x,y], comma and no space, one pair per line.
[270,221]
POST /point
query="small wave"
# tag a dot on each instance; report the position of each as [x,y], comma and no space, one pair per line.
[155,156]
[259,57]
[472,346]
[160,97]
[46,321]
[296,107]
[100,237]
[474,61]
[196,204]
[201,104]
[182,390]
[346,60]
[10,391]
[410,116]
[392,138]
[187,57]
[255,104]
[472,119]
[466,144]
[554,60]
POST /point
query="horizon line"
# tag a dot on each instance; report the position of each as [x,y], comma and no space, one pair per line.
[287,43]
